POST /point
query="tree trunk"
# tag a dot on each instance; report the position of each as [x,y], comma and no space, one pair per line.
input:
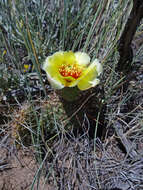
[124,47]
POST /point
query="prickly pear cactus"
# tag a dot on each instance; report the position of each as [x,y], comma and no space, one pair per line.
[67,110]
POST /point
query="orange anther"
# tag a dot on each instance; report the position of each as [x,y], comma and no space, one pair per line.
[70,70]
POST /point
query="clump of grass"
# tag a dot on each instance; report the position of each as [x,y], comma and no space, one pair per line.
[18,124]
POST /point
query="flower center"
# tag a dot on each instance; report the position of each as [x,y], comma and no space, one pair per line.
[73,70]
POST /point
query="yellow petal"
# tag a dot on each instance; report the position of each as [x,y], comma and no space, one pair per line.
[82,58]
[52,72]
[89,77]
[69,81]
[98,65]
[94,82]
[56,84]
[51,67]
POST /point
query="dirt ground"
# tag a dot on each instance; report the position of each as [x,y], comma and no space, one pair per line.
[17,170]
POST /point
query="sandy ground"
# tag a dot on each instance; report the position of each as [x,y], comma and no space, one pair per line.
[17,171]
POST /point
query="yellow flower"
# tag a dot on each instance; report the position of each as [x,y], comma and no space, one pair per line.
[26,67]
[4,53]
[68,69]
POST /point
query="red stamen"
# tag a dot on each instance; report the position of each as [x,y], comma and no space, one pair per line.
[70,70]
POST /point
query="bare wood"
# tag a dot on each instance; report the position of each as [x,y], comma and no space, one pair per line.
[124,47]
